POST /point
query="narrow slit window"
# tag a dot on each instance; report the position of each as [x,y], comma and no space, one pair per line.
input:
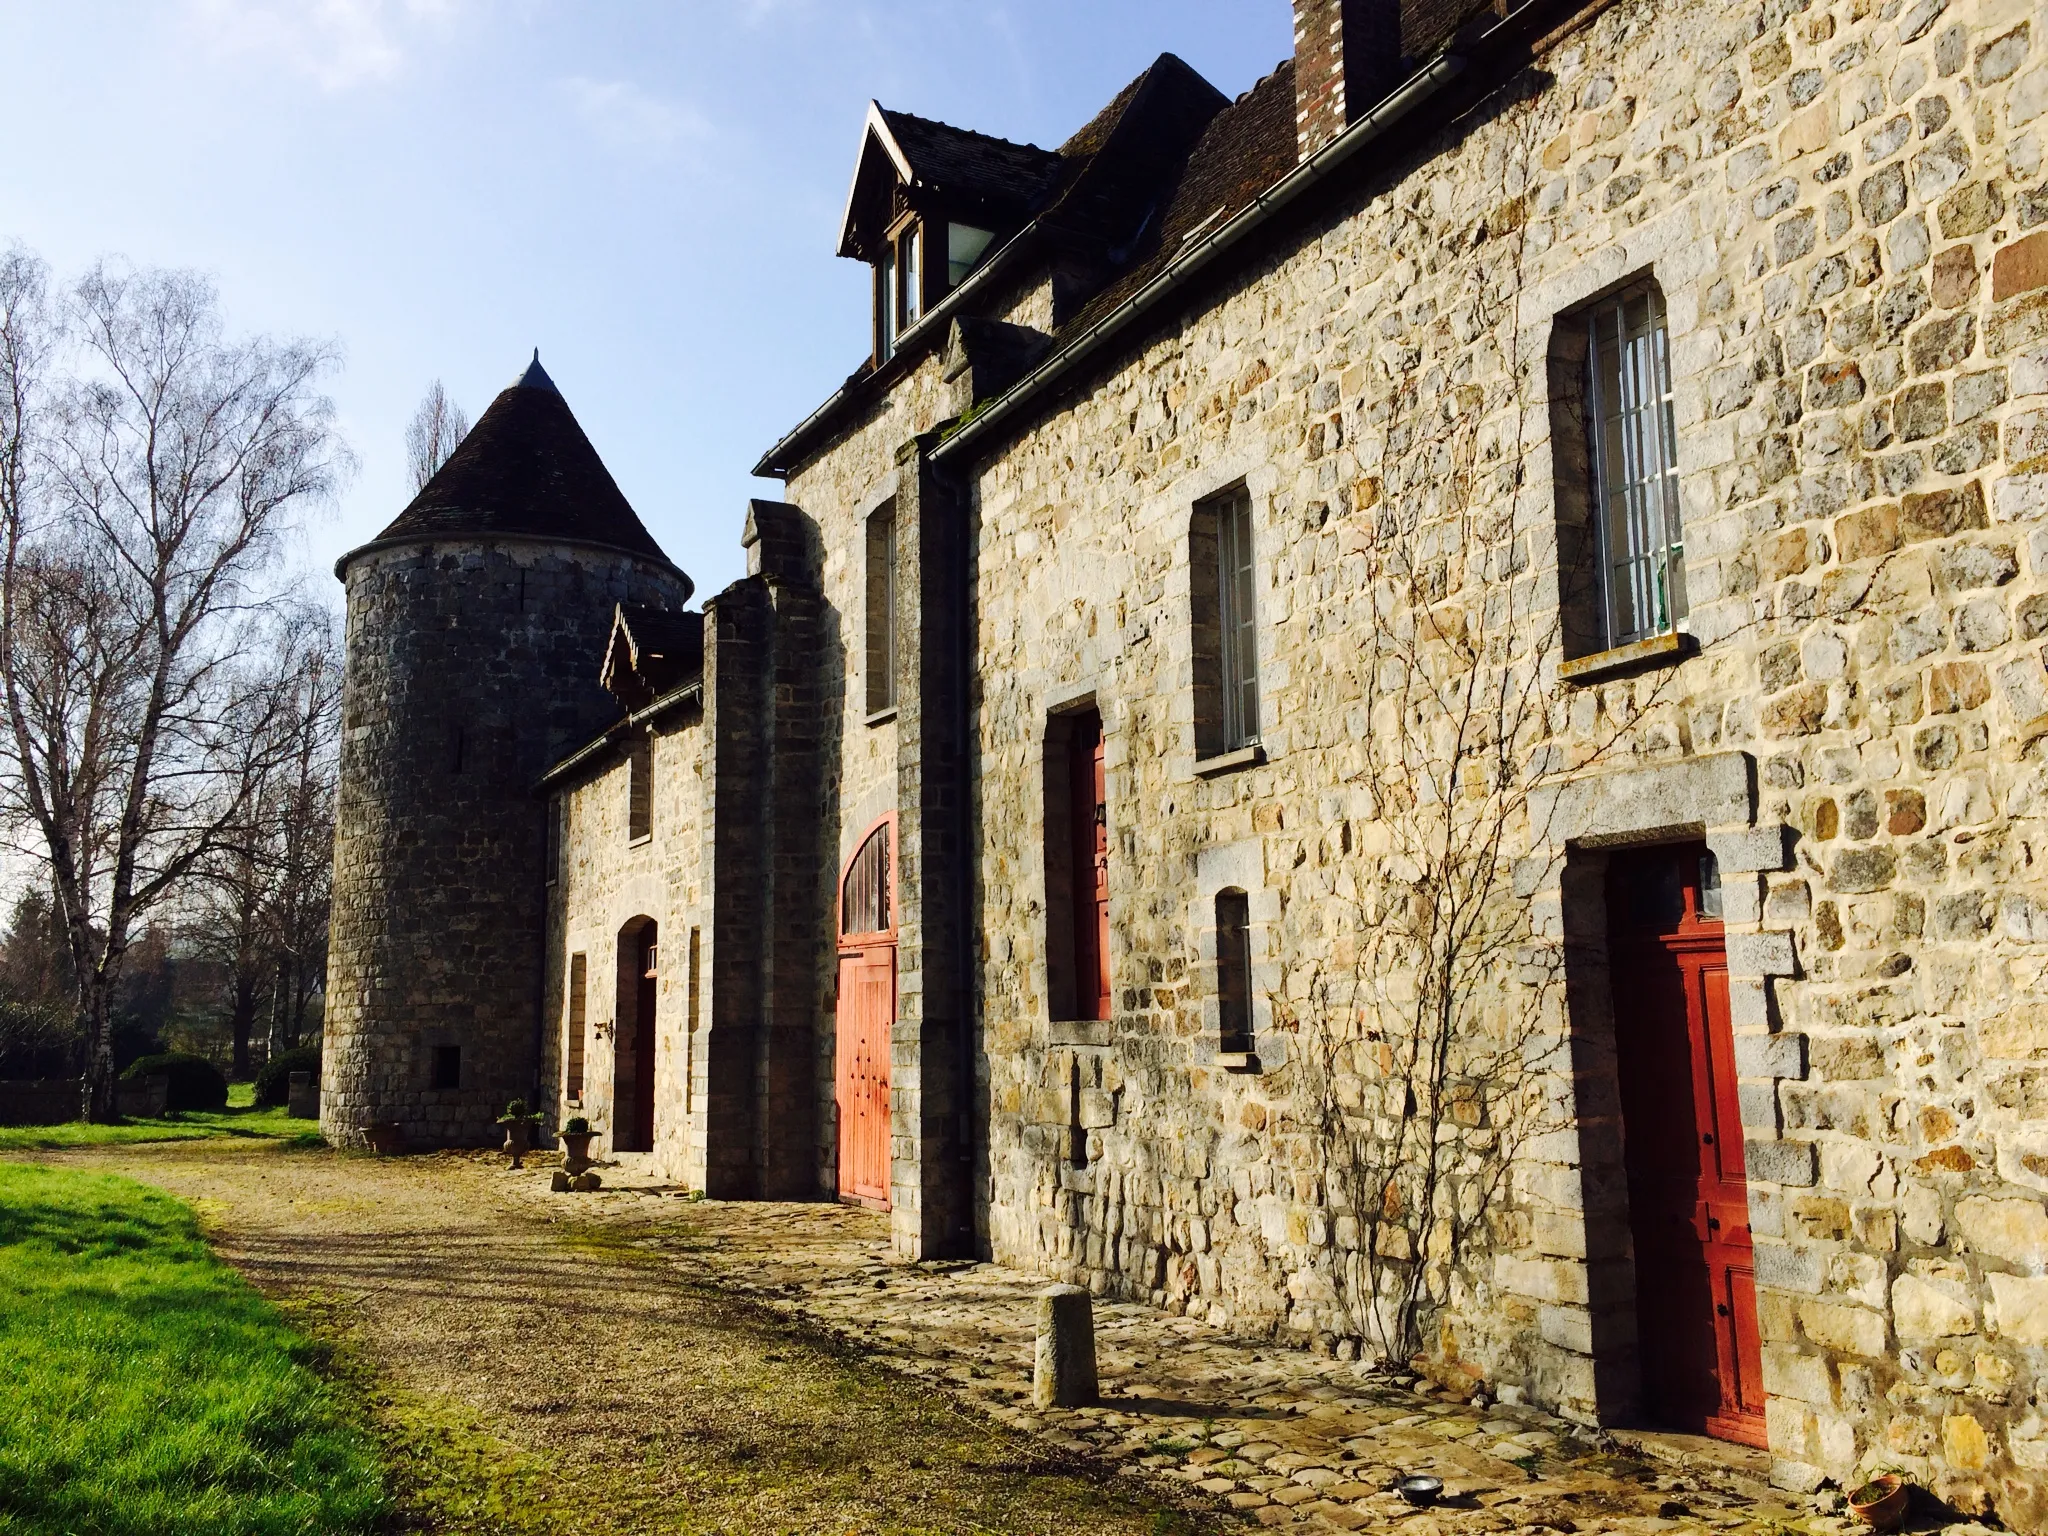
[1634,457]
[575,1027]
[1233,971]
[640,788]
[881,611]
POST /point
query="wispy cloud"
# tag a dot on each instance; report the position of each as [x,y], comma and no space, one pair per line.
[337,43]
[624,116]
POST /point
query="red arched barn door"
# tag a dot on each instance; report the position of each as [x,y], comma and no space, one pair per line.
[867,1008]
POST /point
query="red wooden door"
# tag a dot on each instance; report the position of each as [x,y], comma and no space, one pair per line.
[866,1010]
[1089,817]
[643,1045]
[1688,1192]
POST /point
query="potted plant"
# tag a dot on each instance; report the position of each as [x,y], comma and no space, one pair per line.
[519,1124]
[1881,1502]
[576,1138]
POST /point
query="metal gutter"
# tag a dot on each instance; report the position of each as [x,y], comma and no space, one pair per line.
[1417,89]
[590,750]
[929,328]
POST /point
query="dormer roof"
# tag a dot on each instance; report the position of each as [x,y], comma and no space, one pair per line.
[974,174]
[650,652]
[525,470]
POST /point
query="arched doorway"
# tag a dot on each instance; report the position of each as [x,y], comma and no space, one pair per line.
[866,1010]
[633,1038]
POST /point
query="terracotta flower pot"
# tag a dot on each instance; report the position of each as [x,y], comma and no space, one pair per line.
[518,1141]
[387,1138]
[1881,1502]
[576,1150]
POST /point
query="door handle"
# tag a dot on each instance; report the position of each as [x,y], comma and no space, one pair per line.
[1708,1140]
[1720,1309]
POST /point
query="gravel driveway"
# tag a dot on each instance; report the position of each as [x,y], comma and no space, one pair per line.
[536,1368]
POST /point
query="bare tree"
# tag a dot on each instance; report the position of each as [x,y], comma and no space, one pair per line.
[149,470]
[260,904]
[436,430]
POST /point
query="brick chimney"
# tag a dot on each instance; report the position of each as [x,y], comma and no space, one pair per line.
[1346,55]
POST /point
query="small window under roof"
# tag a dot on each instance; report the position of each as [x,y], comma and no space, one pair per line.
[964,247]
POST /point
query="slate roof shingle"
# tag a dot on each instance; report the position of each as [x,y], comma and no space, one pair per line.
[526,469]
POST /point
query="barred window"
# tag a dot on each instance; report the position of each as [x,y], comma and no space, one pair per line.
[576,1026]
[881,610]
[1634,462]
[640,788]
[1233,970]
[1225,626]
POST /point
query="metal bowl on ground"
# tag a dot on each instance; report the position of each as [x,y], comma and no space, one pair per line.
[1419,1490]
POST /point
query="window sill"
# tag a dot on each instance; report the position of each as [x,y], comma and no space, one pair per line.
[1080,1032]
[1657,651]
[641,841]
[1230,762]
[1238,1061]
[882,716]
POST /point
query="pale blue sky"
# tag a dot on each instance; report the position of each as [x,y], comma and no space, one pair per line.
[649,192]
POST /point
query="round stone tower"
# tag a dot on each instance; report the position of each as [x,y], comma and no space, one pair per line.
[476,626]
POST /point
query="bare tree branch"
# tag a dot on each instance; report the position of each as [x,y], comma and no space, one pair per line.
[150,472]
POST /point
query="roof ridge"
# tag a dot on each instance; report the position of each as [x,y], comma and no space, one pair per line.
[972,133]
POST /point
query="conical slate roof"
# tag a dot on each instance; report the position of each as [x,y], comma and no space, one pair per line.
[526,469]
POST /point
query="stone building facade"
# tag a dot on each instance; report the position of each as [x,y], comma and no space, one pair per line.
[1374,677]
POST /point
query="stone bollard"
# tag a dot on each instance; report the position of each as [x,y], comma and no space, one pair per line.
[1064,1376]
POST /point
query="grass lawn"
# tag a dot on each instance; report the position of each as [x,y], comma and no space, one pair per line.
[240,1118]
[146,1389]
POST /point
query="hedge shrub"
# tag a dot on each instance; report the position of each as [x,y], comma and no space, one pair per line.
[196,1083]
[274,1082]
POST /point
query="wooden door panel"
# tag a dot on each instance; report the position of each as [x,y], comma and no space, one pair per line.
[866,1009]
[1682,1132]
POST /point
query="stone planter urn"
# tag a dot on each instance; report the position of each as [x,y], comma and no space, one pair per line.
[386,1138]
[519,1126]
[576,1150]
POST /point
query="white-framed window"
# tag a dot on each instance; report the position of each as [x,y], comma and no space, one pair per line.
[1632,448]
[1224,619]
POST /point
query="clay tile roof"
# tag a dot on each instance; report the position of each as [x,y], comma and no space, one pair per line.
[527,469]
[1245,148]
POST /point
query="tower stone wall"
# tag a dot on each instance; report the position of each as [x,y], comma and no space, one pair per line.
[472,666]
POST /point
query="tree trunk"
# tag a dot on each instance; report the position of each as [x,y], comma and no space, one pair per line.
[102,1100]
[243,1023]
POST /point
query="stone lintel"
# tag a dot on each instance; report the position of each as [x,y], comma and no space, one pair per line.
[1717,790]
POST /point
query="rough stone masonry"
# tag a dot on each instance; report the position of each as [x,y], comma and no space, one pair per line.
[1366,305]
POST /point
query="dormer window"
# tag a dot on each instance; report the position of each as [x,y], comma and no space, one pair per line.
[899,286]
[905,284]
[964,247]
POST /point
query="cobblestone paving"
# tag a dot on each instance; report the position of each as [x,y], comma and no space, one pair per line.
[1285,1438]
